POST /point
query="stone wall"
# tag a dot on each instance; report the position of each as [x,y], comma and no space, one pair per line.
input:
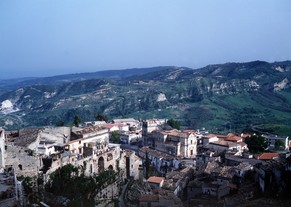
[2,148]
[16,156]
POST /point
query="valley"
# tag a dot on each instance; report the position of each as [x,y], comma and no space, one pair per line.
[222,98]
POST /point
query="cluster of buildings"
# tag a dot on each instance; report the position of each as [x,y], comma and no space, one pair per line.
[39,152]
[184,164]
[194,164]
[11,192]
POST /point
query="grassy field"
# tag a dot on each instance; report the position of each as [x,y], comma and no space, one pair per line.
[280,129]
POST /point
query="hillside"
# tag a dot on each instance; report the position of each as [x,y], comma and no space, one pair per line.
[60,79]
[225,97]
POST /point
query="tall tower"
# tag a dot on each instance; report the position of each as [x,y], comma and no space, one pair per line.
[2,148]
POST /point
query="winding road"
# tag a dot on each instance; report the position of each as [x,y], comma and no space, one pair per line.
[121,197]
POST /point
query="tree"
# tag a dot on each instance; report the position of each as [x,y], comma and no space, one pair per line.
[279,144]
[147,164]
[256,143]
[174,123]
[79,189]
[117,166]
[83,168]
[101,117]
[27,183]
[115,137]
[77,120]
[60,123]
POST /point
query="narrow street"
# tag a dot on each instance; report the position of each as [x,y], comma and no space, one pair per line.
[121,197]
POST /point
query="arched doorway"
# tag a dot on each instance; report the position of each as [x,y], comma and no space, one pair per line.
[100,164]
[109,157]
[110,167]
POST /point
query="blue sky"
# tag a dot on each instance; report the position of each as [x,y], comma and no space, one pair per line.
[51,37]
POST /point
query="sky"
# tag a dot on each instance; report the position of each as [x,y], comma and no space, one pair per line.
[52,37]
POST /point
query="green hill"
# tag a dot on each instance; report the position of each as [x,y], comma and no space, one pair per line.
[225,97]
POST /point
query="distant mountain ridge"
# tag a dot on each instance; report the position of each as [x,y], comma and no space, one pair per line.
[231,96]
[59,79]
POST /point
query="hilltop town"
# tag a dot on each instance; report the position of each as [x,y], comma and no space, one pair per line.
[129,162]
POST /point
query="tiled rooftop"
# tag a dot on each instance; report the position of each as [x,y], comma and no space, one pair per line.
[267,156]
[242,159]
[224,143]
[88,130]
[245,135]
[243,165]
[233,138]
[155,179]
[228,137]
[27,136]
[108,126]
[275,137]
[175,133]
[156,153]
[271,164]
[208,136]
[189,131]
[148,198]
[176,175]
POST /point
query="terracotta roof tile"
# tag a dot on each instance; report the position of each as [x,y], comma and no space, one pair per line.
[189,131]
[156,153]
[233,138]
[245,135]
[221,136]
[210,135]
[88,130]
[242,144]
[155,179]
[267,156]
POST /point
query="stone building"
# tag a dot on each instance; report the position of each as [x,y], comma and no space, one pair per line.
[90,150]
[132,164]
[91,134]
[91,158]
[176,181]
[160,198]
[155,181]
[162,161]
[227,146]
[274,140]
[151,125]
[116,127]
[2,148]
[128,121]
[130,137]
[175,142]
